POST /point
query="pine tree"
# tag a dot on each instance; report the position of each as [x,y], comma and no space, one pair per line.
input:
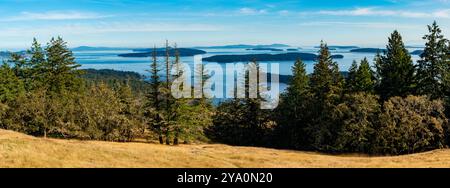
[433,64]
[395,69]
[168,103]
[350,82]
[60,71]
[364,78]
[292,112]
[326,84]
[36,60]
[11,86]
[154,98]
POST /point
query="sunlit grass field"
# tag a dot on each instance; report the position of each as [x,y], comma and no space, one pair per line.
[19,150]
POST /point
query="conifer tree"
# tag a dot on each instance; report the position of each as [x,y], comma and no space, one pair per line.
[326,84]
[433,65]
[60,71]
[11,86]
[396,69]
[364,79]
[154,98]
[350,82]
[292,112]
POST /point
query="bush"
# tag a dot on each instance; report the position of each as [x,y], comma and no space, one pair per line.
[412,124]
[358,118]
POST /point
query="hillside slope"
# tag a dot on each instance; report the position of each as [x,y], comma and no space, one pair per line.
[19,150]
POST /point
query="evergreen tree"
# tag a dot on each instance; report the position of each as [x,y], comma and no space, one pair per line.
[396,69]
[326,84]
[364,79]
[36,60]
[154,98]
[292,112]
[350,82]
[433,65]
[60,71]
[11,86]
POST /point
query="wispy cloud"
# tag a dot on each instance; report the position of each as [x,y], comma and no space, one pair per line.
[444,13]
[54,15]
[104,28]
[373,25]
[251,11]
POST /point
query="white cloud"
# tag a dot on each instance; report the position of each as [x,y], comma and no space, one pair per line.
[251,11]
[444,13]
[102,28]
[54,15]
[372,25]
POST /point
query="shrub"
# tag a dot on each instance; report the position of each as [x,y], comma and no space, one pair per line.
[358,118]
[412,124]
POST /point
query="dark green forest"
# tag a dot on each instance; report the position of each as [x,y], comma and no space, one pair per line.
[394,107]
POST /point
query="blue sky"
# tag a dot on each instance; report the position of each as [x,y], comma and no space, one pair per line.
[138,23]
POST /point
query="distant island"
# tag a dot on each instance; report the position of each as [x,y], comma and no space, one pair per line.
[339,47]
[245,46]
[7,54]
[265,57]
[415,47]
[266,49]
[417,52]
[367,50]
[183,52]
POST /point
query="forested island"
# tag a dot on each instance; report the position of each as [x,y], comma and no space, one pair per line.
[339,47]
[266,49]
[368,50]
[265,57]
[162,52]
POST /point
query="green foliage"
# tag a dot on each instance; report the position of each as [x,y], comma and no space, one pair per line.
[433,65]
[326,84]
[242,121]
[395,69]
[358,117]
[292,112]
[113,79]
[412,124]
[11,86]
[59,71]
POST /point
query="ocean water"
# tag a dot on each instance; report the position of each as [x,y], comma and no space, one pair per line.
[111,60]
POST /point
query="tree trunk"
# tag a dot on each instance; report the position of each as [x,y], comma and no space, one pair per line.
[175,140]
[161,140]
[167,140]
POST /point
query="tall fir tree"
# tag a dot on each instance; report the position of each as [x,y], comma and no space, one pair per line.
[395,69]
[433,65]
[11,86]
[155,98]
[326,84]
[292,112]
[350,81]
[60,71]
[364,79]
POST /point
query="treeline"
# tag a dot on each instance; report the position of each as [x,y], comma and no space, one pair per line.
[396,107]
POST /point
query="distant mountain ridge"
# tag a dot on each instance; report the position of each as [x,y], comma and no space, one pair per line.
[339,47]
[244,46]
[265,49]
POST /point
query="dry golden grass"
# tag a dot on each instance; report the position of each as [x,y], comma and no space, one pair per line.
[19,150]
